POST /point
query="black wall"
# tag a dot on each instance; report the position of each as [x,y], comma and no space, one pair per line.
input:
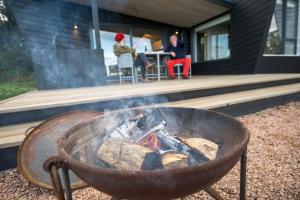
[45,22]
[49,24]
[250,21]
[278,64]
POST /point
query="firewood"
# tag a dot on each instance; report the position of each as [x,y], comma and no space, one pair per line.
[124,155]
[207,148]
[172,160]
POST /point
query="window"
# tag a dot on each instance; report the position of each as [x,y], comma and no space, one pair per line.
[147,39]
[144,39]
[212,40]
[107,39]
[283,34]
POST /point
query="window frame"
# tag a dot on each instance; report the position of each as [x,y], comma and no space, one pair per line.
[206,25]
[284,38]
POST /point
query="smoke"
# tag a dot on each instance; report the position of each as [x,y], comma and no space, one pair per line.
[56,34]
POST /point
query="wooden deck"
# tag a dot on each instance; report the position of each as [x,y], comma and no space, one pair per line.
[13,135]
[64,97]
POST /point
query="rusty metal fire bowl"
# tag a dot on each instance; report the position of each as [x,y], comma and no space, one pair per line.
[227,132]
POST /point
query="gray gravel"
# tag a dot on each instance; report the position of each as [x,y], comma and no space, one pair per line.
[273,163]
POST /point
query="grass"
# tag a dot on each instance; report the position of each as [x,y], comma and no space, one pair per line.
[8,90]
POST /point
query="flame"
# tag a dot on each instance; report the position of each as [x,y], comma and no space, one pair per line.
[151,141]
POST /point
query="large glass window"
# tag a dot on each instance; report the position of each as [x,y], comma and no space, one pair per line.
[147,39]
[212,40]
[143,39]
[283,33]
[107,39]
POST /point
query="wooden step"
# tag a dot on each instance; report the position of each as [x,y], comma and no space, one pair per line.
[216,101]
[13,135]
[65,97]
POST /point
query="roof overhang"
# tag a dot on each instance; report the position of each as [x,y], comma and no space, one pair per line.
[182,13]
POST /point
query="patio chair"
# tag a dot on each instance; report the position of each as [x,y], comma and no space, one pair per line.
[125,61]
[180,66]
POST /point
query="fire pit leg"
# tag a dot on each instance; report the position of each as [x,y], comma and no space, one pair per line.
[243,175]
[67,183]
[213,193]
[57,186]
[52,165]
[115,198]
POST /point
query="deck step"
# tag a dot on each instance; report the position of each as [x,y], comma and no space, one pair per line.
[40,105]
[13,135]
[65,97]
[216,101]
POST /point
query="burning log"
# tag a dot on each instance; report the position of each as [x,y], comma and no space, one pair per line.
[141,141]
[124,155]
[170,143]
[205,147]
[139,127]
[172,160]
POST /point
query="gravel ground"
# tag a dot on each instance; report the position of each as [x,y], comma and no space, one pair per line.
[273,163]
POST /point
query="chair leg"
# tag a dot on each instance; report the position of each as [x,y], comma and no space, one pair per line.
[178,72]
[120,75]
[132,75]
[136,74]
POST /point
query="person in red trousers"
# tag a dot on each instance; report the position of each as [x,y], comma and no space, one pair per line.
[176,50]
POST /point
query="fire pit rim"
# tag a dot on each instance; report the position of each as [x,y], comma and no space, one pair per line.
[28,135]
[209,164]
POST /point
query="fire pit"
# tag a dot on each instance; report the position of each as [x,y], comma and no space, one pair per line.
[160,131]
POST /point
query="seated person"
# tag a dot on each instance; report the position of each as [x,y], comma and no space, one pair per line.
[176,49]
[139,59]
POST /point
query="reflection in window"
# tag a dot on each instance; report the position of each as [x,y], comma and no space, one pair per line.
[274,38]
[282,38]
[213,42]
[147,39]
[143,39]
[107,39]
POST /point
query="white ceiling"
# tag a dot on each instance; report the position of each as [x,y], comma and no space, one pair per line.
[183,13]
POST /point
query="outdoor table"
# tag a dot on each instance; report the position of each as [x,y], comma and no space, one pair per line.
[159,55]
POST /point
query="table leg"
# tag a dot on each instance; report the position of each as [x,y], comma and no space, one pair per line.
[158,67]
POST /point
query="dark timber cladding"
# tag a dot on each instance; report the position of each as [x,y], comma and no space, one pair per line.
[49,24]
[250,21]
[61,53]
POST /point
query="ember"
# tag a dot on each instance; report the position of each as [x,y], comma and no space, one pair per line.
[151,141]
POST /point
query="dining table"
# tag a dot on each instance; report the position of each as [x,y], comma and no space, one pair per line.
[160,55]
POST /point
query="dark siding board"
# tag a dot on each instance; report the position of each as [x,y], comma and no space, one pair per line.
[40,21]
[278,64]
[249,22]
[48,24]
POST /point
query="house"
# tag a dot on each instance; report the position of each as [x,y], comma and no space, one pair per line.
[222,36]
[70,43]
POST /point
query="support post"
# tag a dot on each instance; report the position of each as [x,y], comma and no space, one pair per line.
[243,175]
[96,23]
